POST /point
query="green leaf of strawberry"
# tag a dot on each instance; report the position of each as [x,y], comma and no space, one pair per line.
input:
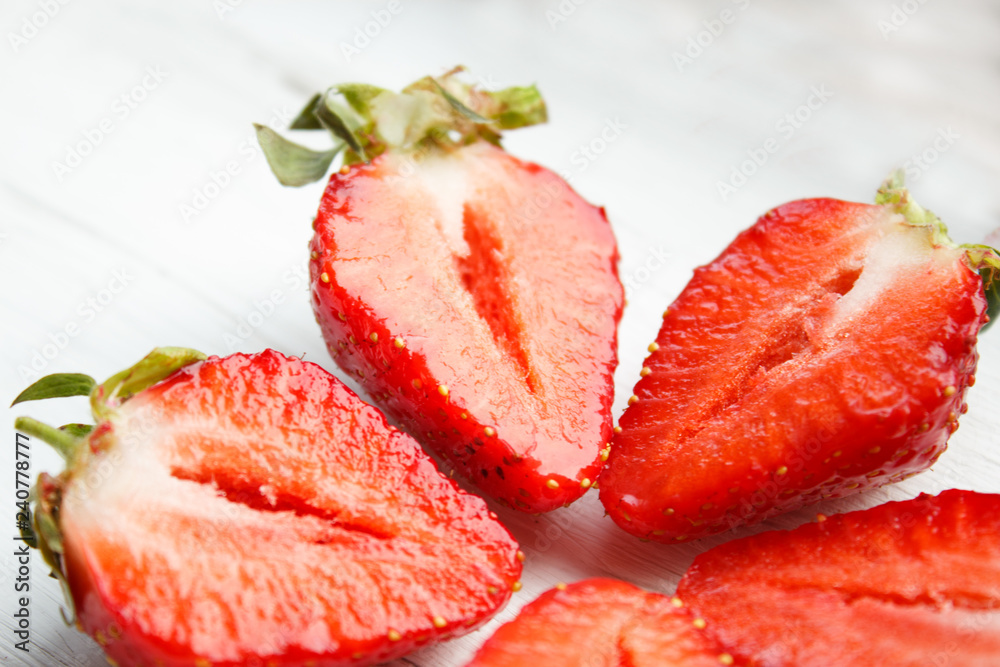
[158,365]
[441,112]
[827,350]
[293,164]
[58,385]
[77,430]
[251,509]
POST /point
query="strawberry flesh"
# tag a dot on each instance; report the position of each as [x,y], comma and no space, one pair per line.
[600,623]
[908,583]
[253,508]
[826,351]
[476,298]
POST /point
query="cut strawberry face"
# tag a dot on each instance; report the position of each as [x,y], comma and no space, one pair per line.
[826,351]
[252,508]
[468,321]
[473,295]
[911,583]
[601,623]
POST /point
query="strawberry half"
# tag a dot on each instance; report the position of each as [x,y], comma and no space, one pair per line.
[475,296]
[827,350]
[910,583]
[601,623]
[250,510]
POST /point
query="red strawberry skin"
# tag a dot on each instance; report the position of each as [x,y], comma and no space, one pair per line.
[253,510]
[600,623]
[907,583]
[476,298]
[827,350]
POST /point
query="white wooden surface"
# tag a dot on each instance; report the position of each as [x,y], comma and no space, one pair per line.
[196,74]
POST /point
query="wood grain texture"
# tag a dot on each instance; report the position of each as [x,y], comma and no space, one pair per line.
[204,75]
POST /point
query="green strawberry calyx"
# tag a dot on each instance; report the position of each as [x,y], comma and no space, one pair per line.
[72,440]
[982,259]
[433,113]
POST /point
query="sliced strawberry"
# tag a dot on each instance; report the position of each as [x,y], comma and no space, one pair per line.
[601,623]
[826,351]
[473,295]
[252,508]
[488,334]
[908,583]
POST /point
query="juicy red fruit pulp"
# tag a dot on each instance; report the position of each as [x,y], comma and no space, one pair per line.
[910,583]
[601,623]
[253,508]
[827,350]
[476,298]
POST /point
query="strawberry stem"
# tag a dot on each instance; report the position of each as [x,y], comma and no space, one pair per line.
[893,193]
[63,442]
[981,258]
[986,260]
